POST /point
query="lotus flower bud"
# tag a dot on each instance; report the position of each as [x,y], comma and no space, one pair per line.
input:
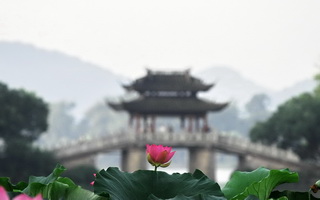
[92,183]
[158,155]
[315,187]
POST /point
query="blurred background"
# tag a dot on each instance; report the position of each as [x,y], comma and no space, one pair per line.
[61,61]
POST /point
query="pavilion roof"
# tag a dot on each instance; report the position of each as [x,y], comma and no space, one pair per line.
[168,106]
[164,81]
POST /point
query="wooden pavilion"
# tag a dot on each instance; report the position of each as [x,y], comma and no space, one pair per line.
[168,94]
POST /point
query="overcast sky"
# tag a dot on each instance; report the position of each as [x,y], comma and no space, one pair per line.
[273,42]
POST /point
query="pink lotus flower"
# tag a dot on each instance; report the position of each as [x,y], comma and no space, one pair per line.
[26,197]
[4,196]
[159,156]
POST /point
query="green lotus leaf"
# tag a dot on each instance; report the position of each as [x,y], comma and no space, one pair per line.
[291,195]
[6,183]
[77,193]
[144,183]
[43,180]
[54,187]
[259,183]
[195,197]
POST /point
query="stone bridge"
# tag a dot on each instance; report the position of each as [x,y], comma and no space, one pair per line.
[201,146]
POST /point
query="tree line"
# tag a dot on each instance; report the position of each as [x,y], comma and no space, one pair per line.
[23,119]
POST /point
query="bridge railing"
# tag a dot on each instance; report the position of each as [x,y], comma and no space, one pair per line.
[220,141]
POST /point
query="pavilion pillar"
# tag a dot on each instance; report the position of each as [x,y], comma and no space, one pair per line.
[133,158]
[137,123]
[243,163]
[205,127]
[202,158]
[197,125]
[182,122]
[190,128]
[131,120]
[153,124]
[145,123]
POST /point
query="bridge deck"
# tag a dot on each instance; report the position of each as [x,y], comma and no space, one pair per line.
[216,141]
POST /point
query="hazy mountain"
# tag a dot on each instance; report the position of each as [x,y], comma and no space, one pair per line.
[56,76]
[230,85]
[296,89]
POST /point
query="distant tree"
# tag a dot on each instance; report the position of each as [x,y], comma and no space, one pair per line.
[61,124]
[294,125]
[317,89]
[61,120]
[100,119]
[226,120]
[257,110]
[23,117]
[232,120]
[257,107]
[20,160]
